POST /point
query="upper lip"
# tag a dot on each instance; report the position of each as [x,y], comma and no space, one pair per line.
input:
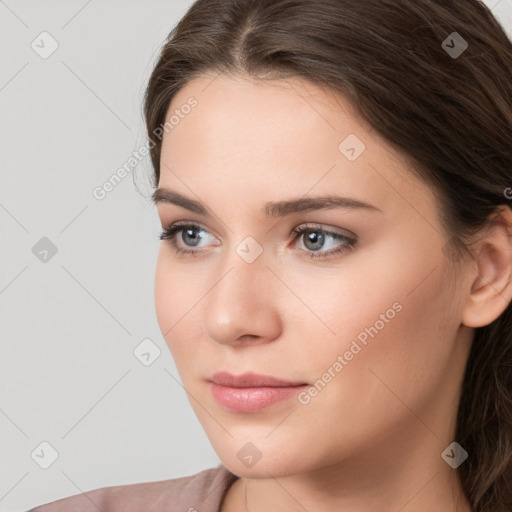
[250,380]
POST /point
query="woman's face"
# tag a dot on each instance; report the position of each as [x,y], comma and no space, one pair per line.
[371,328]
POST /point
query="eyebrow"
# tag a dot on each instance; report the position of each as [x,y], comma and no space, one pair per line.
[273,208]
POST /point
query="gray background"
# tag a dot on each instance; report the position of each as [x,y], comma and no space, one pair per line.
[70,324]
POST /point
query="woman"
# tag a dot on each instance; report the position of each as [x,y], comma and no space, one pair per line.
[333,179]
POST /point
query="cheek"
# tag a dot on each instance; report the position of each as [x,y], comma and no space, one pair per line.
[395,333]
[165,296]
[390,300]
[174,302]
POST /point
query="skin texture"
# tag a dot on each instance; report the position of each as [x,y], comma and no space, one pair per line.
[372,438]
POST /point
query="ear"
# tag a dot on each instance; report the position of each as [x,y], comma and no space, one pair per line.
[491,289]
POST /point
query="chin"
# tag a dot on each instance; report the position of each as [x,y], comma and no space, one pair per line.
[251,460]
[262,469]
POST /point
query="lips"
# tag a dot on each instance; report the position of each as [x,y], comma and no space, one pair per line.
[251,380]
[250,392]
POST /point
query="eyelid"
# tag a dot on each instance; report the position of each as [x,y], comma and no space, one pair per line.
[346,233]
[304,226]
[348,242]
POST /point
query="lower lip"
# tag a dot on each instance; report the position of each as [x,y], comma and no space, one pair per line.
[251,399]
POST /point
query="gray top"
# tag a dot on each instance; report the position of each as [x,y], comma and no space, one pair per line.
[202,492]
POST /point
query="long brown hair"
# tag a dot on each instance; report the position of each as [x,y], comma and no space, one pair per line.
[443,100]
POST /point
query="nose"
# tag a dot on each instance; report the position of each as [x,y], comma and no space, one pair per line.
[242,307]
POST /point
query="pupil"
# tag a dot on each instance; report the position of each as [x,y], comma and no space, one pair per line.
[314,237]
[195,239]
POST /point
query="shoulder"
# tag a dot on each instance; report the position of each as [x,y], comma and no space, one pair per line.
[203,491]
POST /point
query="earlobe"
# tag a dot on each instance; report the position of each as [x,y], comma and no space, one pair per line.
[491,290]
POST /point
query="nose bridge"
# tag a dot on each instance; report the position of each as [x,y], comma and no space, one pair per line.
[240,302]
[246,263]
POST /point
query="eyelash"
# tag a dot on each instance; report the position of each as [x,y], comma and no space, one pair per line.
[170,233]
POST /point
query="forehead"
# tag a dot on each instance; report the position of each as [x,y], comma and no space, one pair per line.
[237,106]
[275,138]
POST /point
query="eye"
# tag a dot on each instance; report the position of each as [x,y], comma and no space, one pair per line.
[191,236]
[314,239]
